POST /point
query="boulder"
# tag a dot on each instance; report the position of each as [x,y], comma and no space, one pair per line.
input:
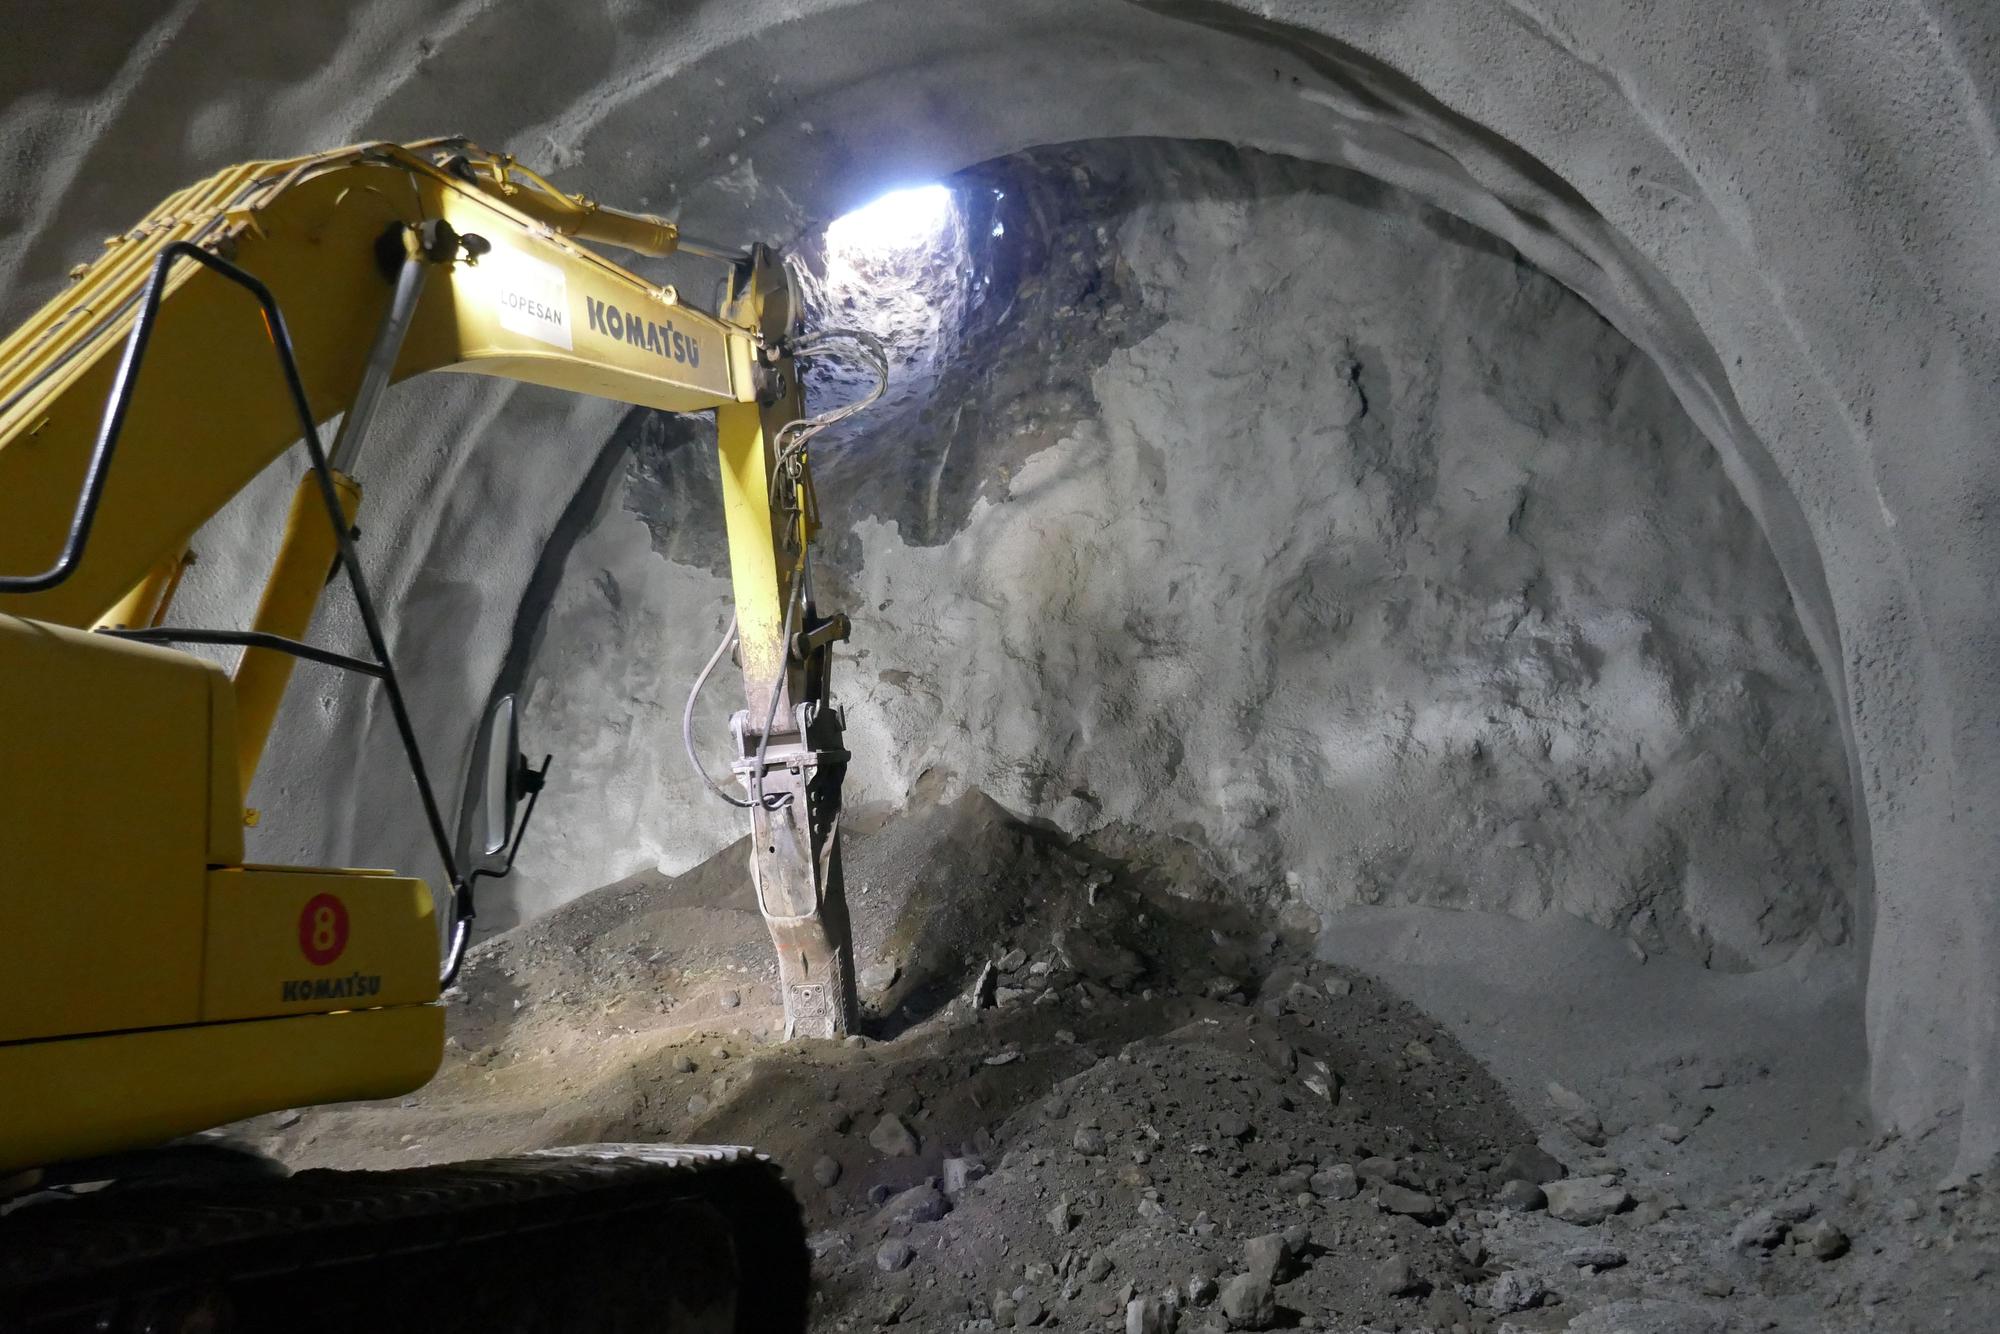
[1586,1201]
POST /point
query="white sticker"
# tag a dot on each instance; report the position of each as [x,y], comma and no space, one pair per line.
[533,296]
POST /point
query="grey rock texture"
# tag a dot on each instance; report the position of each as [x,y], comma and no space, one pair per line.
[1412,584]
[1585,1200]
[1788,207]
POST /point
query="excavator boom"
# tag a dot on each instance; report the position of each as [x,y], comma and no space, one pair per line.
[522,300]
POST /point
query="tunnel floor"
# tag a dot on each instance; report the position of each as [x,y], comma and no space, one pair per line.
[1105,1094]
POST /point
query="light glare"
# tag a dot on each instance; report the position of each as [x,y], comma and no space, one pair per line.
[899,220]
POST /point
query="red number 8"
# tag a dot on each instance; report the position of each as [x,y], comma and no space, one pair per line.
[322,929]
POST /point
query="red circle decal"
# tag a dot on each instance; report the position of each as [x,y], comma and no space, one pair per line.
[322,929]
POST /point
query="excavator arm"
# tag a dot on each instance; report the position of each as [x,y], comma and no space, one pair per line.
[144,397]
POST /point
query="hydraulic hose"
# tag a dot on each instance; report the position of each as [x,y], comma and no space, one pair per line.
[790,444]
[687,719]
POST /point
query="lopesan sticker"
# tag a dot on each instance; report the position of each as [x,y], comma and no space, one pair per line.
[351,987]
[533,296]
[669,343]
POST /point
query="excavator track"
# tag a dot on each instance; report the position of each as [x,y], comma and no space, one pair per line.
[605,1237]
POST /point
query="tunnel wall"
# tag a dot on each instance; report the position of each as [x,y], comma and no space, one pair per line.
[1789,208]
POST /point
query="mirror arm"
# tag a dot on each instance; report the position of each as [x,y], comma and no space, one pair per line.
[532,781]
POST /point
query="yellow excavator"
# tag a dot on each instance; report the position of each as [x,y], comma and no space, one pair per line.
[154,982]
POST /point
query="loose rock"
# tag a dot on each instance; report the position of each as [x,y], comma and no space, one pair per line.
[1576,1114]
[829,1242]
[1339,1182]
[1586,1201]
[1395,1278]
[960,1173]
[1761,1231]
[1409,1203]
[919,1204]
[1516,1290]
[894,1254]
[893,1139]
[1099,959]
[826,1172]
[982,996]
[1528,1162]
[1595,1257]
[1063,1216]
[1268,1258]
[1826,1241]
[1249,1303]
[1151,1315]
[1379,1169]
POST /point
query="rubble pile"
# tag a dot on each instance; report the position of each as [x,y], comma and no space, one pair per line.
[1108,1096]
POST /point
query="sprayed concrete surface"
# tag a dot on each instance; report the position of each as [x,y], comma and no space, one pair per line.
[1788,209]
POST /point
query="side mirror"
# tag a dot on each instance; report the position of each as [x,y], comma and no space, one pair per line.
[497,756]
[501,777]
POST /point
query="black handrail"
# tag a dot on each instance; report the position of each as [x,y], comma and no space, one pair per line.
[383,668]
[250,639]
[108,430]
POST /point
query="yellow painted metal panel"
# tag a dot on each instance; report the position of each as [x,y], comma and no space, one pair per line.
[743,438]
[294,942]
[225,794]
[77,1097]
[140,607]
[306,554]
[547,299]
[104,832]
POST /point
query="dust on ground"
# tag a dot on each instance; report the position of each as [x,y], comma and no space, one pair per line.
[1100,1093]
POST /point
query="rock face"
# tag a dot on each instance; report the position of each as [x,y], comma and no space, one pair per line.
[1426,592]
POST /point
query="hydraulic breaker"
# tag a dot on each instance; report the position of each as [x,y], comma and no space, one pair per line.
[789,753]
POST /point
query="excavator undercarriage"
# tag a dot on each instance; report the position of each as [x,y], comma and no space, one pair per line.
[611,1237]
